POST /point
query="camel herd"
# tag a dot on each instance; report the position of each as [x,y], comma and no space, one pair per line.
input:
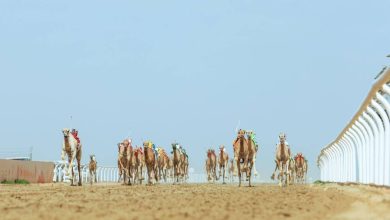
[245,148]
[134,163]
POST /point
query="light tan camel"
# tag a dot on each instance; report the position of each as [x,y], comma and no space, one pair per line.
[241,153]
[223,162]
[178,159]
[211,165]
[140,164]
[122,162]
[162,164]
[231,170]
[255,146]
[305,169]
[299,163]
[184,168]
[252,147]
[92,166]
[72,149]
[150,162]
[292,176]
[170,173]
[282,159]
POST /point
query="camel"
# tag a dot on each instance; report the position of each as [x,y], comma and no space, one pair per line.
[185,165]
[223,162]
[150,162]
[129,162]
[170,173]
[231,170]
[139,164]
[282,159]
[72,149]
[292,176]
[122,162]
[241,153]
[251,135]
[92,169]
[252,146]
[305,169]
[178,159]
[211,165]
[162,164]
[299,161]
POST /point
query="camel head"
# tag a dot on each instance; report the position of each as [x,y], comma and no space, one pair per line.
[241,134]
[66,132]
[175,146]
[147,144]
[282,138]
[92,157]
[249,134]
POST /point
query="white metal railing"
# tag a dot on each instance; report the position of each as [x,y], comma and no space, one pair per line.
[103,173]
[361,152]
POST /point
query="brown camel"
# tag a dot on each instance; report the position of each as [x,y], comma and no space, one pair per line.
[178,159]
[282,159]
[150,162]
[92,166]
[223,162]
[72,148]
[211,165]
[241,153]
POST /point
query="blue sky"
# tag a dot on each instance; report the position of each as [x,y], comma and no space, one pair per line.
[186,71]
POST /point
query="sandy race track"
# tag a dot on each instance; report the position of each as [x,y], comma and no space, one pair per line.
[191,201]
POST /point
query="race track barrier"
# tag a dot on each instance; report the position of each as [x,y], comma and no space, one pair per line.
[103,173]
[32,171]
[361,152]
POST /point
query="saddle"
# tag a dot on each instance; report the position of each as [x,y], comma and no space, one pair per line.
[75,135]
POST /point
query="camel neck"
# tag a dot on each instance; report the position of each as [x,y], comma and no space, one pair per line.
[66,141]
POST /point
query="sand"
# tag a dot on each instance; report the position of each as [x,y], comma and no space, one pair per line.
[193,201]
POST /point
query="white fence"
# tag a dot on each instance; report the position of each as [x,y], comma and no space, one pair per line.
[361,152]
[104,174]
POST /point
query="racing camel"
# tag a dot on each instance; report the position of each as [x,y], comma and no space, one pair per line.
[139,164]
[211,165]
[92,166]
[150,162]
[122,162]
[241,153]
[223,162]
[162,164]
[72,148]
[178,160]
[282,159]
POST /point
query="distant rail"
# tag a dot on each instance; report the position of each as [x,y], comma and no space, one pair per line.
[103,173]
[361,152]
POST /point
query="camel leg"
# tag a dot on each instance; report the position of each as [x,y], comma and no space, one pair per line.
[288,172]
[78,157]
[276,168]
[280,176]
[223,180]
[239,172]
[70,168]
